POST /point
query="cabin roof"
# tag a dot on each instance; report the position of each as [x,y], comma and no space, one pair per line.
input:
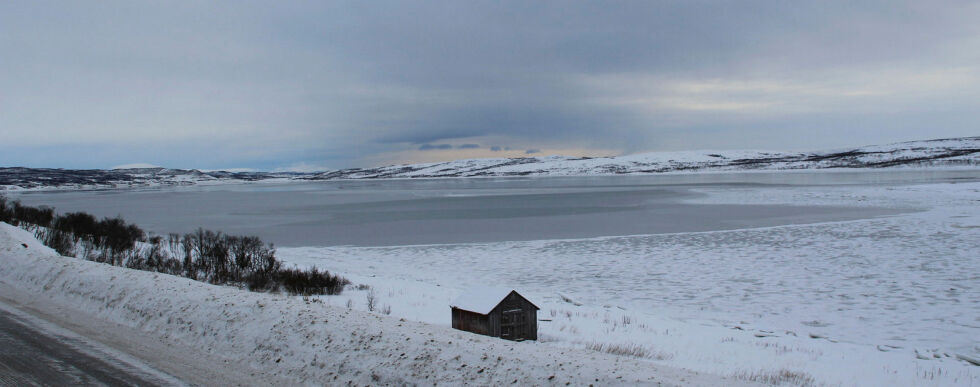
[482,300]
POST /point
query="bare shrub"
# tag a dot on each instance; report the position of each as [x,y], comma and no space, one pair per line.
[38,216]
[5,212]
[187,247]
[204,254]
[58,240]
[311,281]
[79,224]
[371,300]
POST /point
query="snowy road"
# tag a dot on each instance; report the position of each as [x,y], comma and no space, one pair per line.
[32,355]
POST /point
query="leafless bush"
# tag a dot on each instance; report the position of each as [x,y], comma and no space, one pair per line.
[204,254]
[58,240]
[310,281]
[5,213]
[370,300]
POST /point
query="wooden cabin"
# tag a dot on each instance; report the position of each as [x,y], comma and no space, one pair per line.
[496,312]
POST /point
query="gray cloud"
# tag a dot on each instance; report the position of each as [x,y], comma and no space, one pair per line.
[427,147]
[532,151]
[495,149]
[265,84]
[468,146]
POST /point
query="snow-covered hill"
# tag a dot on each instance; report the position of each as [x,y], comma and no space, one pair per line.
[299,340]
[931,153]
[955,152]
[19,178]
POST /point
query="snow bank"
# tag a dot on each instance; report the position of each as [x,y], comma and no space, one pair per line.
[307,340]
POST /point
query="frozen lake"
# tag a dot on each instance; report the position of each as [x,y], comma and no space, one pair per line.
[433,211]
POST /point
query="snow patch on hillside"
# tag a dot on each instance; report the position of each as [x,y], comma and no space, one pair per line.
[135,166]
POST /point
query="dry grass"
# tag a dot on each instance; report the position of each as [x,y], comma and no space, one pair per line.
[633,350]
[777,378]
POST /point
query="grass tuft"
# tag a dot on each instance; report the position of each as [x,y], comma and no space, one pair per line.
[777,378]
[634,350]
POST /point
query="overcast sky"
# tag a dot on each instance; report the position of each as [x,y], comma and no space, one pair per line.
[329,84]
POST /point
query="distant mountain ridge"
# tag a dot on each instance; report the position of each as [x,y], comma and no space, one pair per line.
[951,152]
[19,178]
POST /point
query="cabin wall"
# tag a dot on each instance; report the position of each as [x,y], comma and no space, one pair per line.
[532,318]
[471,322]
[493,323]
[526,329]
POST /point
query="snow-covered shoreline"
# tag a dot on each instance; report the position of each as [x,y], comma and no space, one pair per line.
[307,341]
[883,301]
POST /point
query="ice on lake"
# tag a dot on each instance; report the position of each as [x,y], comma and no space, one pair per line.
[428,211]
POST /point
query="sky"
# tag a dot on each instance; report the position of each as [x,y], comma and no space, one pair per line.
[270,85]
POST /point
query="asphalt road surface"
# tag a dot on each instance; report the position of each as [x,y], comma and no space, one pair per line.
[35,353]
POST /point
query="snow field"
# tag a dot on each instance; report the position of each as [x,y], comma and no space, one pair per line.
[884,301]
[308,341]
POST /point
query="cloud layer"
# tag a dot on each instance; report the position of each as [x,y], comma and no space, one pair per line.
[267,84]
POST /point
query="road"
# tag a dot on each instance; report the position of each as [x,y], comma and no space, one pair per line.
[34,352]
